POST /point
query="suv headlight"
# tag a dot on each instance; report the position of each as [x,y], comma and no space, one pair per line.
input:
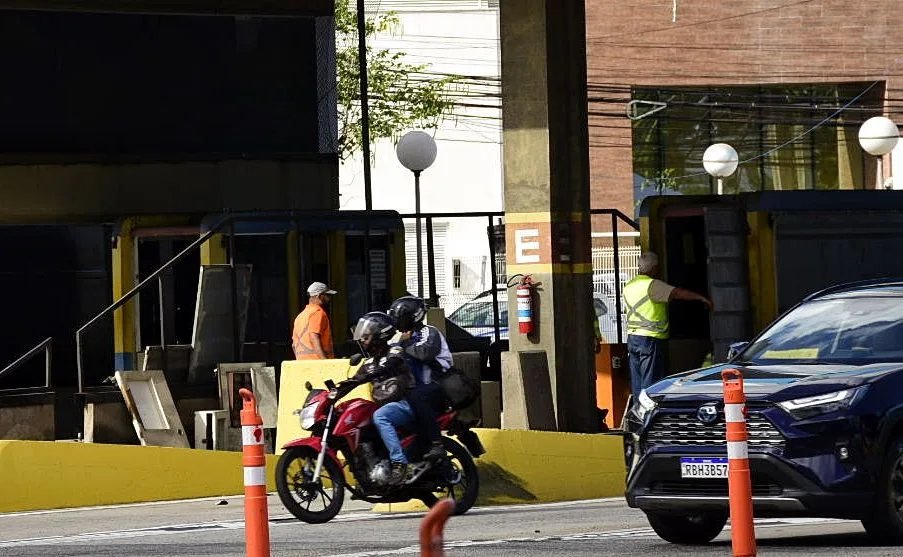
[802,408]
[308,416]
[644,405]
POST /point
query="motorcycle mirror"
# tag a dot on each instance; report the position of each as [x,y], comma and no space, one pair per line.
[355,359]
[308,386]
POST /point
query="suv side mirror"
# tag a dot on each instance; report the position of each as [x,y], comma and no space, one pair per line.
[735,348]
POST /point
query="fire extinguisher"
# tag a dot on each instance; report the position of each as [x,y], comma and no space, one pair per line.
[525,304]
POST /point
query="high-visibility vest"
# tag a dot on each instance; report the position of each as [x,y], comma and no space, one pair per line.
[644,317]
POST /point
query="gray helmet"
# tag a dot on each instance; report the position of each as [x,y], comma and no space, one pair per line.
[376,326]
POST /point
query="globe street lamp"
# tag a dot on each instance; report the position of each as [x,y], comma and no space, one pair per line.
[720,160]
[416,151]
[878,136]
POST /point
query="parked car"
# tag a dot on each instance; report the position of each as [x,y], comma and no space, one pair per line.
[824,388]
[476,315]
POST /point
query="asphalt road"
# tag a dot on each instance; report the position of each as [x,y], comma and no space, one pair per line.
[206,527]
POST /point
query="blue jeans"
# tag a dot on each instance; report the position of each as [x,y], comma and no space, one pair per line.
[648,361]
[387,418]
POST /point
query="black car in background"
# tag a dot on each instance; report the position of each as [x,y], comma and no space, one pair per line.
[824,388]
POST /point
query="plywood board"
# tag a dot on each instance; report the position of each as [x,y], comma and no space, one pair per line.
[212,339]
[153,411]
[264,381]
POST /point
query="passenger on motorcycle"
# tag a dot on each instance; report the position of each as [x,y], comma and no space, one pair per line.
[427,356]
[392,380]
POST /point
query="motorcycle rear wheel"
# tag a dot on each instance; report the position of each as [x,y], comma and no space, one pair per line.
[464,492]
[297,490]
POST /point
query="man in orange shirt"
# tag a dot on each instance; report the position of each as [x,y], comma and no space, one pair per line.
[311,335]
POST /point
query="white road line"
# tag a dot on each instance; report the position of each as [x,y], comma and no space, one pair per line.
[283,520]
[241,498]
[586,536]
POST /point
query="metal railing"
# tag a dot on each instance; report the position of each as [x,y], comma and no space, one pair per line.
[47,347]
[156,275]
[617,215]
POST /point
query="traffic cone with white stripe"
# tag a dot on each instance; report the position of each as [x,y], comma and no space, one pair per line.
[743,534]
[257,522]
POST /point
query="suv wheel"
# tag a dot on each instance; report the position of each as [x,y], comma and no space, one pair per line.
[885,521]
[694,529]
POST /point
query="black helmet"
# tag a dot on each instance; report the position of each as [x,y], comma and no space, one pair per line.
[378,327]
[408,312]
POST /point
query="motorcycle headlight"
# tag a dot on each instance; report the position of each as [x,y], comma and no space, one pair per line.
[308,416]
[802,408]
[644,405]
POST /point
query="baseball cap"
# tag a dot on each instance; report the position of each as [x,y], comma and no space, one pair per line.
[317,288]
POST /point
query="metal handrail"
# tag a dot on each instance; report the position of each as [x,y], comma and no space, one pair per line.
[47,346]
[131,293]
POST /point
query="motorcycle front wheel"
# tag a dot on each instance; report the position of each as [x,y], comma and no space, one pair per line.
[459,480]
[301,494]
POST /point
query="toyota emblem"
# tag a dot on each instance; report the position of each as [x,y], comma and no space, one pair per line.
[707,414]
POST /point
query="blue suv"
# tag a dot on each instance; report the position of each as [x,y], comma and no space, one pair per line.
[824,388]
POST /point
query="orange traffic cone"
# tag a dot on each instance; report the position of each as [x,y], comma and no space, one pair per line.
[257,523]
[743,534]
[431,528]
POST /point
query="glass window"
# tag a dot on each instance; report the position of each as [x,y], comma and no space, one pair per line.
[856,330]
[668,145]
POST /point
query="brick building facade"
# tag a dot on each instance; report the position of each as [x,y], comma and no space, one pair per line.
[834,51]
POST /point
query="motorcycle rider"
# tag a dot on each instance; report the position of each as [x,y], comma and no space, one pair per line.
[392,379]
[427,355]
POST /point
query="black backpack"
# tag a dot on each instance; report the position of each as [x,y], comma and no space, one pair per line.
[460,390]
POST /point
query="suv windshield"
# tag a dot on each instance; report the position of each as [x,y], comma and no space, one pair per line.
[850,330]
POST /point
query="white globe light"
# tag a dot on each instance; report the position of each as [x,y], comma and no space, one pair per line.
[416,151]
[720,160]
[878,136]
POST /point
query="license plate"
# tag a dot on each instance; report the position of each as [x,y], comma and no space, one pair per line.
[693,467]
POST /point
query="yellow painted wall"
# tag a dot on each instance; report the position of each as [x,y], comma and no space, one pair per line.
[48,475]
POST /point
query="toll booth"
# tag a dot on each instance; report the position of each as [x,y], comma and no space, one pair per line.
[756,255]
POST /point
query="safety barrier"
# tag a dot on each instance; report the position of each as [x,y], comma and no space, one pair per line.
[743,534]
[522,466]
[257,523]
[431,526]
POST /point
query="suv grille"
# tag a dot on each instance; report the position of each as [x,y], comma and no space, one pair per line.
[712,488]
[684,429]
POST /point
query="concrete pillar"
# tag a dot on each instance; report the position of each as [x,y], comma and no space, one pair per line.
[546,165]
[213,251]
[123,271]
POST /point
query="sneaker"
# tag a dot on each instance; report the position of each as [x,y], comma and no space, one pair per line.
[436,452]
[400,473]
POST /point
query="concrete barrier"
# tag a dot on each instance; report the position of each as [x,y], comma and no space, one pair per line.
[292,392]
[523,466]
[47,475]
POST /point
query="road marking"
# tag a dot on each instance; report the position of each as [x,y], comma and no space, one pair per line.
[278,520]
[585,536]
[240,498]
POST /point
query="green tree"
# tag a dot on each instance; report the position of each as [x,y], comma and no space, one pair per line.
[401,95]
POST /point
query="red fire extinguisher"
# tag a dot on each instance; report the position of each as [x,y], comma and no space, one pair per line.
[525,304]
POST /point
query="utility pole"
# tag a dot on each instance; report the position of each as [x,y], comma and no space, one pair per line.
[365,143]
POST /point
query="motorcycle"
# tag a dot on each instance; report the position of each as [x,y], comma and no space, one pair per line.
[309,471]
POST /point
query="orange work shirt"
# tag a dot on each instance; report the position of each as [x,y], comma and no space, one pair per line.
[312,320]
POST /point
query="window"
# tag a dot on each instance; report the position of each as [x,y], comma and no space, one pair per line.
[861,329]
[668,144]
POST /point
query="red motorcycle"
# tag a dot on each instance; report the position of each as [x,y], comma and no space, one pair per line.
[310,471]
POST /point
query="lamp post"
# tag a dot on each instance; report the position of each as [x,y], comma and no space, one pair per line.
[720,160]
[416,151]
[878,136]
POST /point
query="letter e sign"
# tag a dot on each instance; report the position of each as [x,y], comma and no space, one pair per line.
[522,245]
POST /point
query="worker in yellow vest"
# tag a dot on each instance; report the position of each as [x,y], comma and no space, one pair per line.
[646,302]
